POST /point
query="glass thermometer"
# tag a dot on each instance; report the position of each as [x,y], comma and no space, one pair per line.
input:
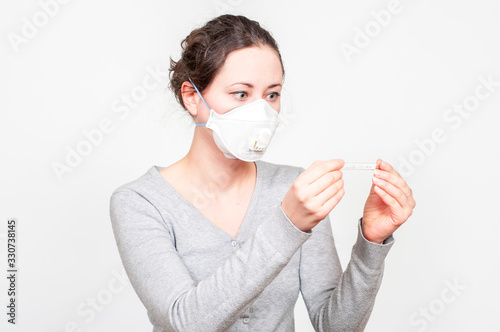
[358,166]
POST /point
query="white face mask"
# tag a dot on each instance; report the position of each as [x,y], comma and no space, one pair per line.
[244,132]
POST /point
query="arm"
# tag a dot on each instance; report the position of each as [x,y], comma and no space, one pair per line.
[339,301]
[162,281]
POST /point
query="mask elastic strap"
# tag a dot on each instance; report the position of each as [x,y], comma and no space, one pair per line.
[199,124]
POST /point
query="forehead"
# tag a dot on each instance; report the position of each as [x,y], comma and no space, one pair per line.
[256,64]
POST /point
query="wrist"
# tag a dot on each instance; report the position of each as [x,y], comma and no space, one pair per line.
[369,236]
[291,218]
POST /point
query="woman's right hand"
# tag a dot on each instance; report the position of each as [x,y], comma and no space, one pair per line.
[314,193]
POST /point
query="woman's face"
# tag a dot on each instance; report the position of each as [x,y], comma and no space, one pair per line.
[247,75]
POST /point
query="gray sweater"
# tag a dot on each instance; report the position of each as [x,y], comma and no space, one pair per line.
[192,276]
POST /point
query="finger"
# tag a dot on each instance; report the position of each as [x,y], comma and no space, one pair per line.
[325,181]
[385,166]
[401,214]
[329,192]
[396,199]
[393,178]
[412,201]
[319,168]
[332,202]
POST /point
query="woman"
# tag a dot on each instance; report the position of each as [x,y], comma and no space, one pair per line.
[222,241]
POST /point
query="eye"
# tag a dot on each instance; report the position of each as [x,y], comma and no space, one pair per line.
[240,95]
[273,95]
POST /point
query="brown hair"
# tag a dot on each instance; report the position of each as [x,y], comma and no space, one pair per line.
[205,49]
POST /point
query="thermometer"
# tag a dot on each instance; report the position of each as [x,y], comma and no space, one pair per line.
[358,166]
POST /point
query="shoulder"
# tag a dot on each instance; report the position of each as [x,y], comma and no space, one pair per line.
[138,189]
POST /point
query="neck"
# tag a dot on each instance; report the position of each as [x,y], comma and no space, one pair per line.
[208,168]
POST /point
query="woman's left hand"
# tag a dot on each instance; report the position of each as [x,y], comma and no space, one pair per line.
[389,204]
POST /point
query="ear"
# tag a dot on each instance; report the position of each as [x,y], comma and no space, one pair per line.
[190,98]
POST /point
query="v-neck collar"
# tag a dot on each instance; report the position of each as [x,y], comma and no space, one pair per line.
[155,171]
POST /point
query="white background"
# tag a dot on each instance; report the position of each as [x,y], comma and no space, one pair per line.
[384,101]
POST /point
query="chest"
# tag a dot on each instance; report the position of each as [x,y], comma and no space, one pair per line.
[224,210]
[228,216]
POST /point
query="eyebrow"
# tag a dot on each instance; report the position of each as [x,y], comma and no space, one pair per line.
[251,85]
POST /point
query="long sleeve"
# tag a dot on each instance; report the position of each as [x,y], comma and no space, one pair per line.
[163,283]
[336,300]
[339,301]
